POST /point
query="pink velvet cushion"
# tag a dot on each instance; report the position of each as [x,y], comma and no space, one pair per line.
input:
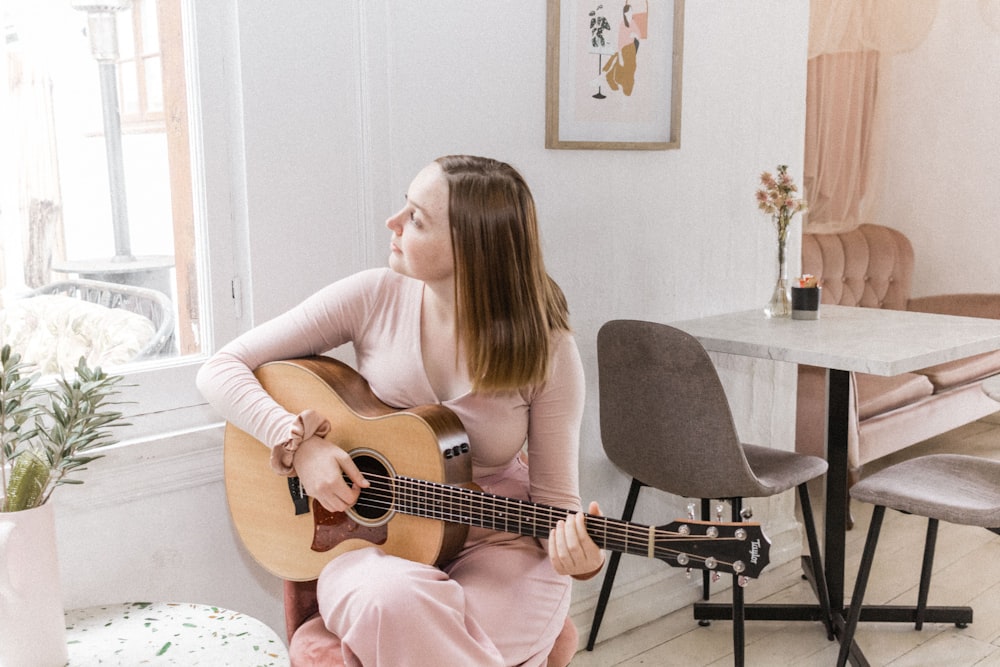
[878,394]
[313,644]
[960,371]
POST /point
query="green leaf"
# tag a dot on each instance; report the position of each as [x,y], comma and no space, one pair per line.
[28,480]
[56,425]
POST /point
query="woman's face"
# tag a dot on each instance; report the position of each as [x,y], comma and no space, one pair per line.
[421,234]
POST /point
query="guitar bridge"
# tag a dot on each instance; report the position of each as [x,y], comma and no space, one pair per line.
[300,499]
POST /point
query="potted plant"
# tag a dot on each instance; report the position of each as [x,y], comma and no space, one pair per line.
[47,435]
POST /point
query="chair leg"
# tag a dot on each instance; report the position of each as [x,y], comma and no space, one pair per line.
[739,624]
[815,558]
[860,585]
[706,576]
[739,620]
[925,571]
[609,576]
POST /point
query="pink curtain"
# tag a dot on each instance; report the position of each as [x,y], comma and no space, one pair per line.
[840,107]
[990,12]
[848,42]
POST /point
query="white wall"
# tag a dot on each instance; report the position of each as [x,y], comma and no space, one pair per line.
[342,103]
[940,178]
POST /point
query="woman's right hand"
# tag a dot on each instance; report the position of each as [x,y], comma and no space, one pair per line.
[321,467]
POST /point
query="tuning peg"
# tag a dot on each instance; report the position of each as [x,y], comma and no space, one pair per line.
[742,581]
[718,511]
[746,513]
[715,576]
[690,511]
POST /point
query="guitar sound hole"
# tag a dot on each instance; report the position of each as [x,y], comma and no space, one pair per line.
[376,501]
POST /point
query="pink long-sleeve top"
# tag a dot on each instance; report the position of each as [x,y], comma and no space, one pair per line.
[378,310]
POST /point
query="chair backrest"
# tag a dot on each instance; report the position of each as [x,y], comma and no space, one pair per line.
[870,266]
[665,418]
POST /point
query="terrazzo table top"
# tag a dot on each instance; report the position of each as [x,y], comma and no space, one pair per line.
[165,633]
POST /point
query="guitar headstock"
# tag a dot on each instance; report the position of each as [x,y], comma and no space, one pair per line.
[735,548]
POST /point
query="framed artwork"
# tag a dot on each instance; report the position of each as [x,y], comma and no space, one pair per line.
[613,74]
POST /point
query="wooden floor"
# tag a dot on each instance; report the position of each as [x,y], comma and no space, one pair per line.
[966,572]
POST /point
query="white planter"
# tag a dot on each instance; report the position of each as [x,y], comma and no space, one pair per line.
[32,624]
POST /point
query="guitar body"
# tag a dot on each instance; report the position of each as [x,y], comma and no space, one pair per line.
[427,442]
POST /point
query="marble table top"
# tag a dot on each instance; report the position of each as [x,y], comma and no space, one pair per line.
[166,633]
[867,340]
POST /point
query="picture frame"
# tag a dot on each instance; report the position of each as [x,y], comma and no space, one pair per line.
[613,74]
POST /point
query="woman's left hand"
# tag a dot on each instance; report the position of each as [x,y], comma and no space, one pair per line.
[571,549]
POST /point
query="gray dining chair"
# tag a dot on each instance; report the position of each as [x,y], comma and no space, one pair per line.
[956,488]
[666,421]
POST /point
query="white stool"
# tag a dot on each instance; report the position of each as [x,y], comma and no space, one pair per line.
[164,633]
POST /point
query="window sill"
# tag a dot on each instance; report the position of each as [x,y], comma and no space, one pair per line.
[171,461]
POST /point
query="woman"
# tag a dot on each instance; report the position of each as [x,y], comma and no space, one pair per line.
[467,317]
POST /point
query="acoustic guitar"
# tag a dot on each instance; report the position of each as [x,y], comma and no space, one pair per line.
[421,501]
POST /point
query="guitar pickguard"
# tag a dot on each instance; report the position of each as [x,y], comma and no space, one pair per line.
[333,528]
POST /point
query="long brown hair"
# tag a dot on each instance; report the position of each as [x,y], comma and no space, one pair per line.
[508,306]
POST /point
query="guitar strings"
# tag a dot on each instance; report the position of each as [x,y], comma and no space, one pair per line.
[447,493]
[426,499]
[482,509]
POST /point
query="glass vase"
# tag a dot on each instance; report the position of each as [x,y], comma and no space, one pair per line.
[780,304]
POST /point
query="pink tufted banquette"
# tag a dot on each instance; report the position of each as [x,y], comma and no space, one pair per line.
[872,267]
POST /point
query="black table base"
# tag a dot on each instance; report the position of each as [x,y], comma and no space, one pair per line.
[710,611]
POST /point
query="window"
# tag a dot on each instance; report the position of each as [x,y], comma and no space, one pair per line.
[140,67]
[88,195]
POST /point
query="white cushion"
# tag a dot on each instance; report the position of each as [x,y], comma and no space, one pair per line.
[53,331]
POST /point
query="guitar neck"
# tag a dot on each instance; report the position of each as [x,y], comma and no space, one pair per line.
[679,544]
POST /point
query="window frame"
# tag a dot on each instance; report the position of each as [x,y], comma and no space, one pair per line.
[135,19]
[161,397]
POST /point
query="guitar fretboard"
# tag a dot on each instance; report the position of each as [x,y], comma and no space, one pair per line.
[472,507]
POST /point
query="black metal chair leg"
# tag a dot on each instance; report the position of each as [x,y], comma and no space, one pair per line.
[860,585]
[706,576]
[602,600]
[739,616]
[609,576]
[925,571]
[739,623]
[815,557]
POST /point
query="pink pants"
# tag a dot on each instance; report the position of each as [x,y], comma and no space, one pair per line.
[499,602]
